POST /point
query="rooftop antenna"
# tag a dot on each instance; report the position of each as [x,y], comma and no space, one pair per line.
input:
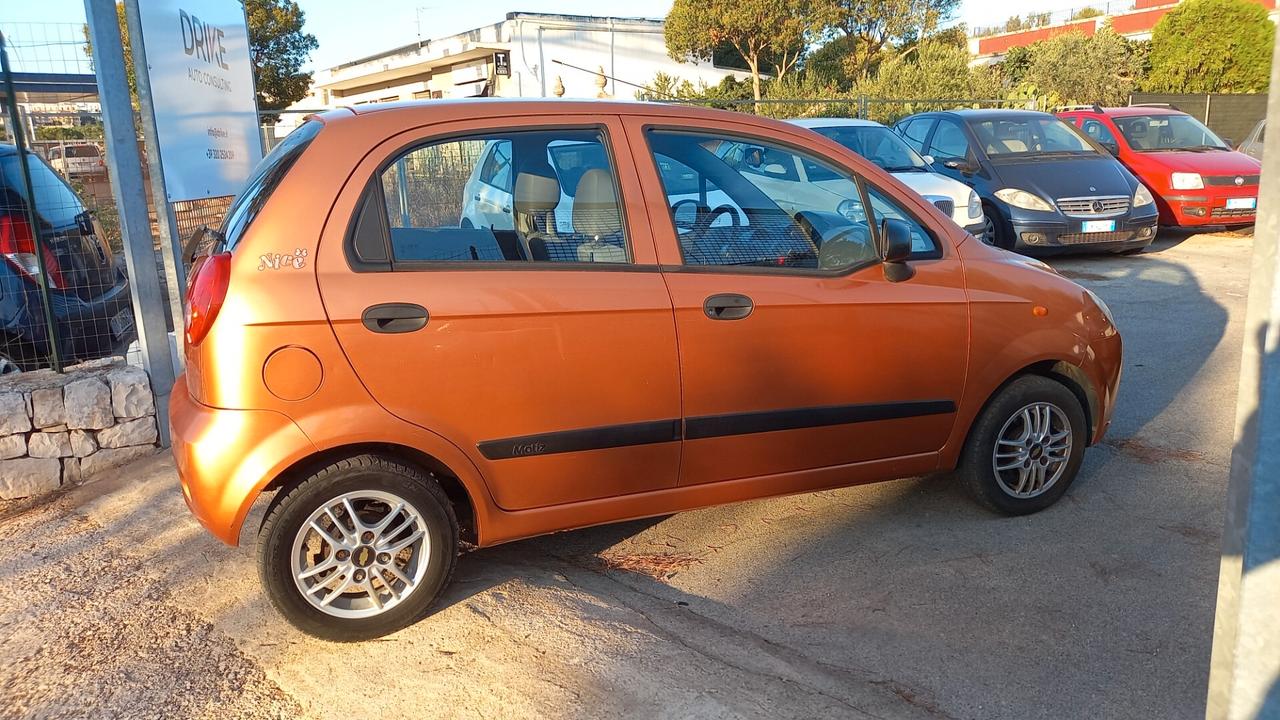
[418,15]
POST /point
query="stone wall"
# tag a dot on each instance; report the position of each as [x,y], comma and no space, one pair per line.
[57,429]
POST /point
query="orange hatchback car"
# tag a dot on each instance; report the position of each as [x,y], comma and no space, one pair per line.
[447,323]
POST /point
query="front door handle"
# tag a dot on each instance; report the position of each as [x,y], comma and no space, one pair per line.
[394,317]
[727,306]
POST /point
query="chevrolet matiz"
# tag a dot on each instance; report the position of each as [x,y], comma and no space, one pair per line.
[409,380]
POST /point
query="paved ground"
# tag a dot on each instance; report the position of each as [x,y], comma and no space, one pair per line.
[900,600]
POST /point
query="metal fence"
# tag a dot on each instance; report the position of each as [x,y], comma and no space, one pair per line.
[882,110]
[1232,117]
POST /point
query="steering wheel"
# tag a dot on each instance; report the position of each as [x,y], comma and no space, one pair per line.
[708,218]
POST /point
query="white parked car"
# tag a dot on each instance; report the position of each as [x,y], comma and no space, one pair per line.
[79,159]
[886,149]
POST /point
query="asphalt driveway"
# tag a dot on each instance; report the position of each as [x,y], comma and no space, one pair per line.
[895,600]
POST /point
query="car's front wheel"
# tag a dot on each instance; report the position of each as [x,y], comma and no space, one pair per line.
[358,549]
[1026,447]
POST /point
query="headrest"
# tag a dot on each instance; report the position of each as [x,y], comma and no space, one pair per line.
[595,205]
[536,188]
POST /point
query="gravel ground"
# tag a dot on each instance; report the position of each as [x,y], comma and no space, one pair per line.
[897,600]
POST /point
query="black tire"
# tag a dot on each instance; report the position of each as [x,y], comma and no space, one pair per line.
[999,233]
[292,507]
[977,462]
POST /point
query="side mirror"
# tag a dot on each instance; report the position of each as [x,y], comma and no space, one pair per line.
[754,157]
[896,235]
[1230,142]
[1110,147]
[928,159]
[959,165]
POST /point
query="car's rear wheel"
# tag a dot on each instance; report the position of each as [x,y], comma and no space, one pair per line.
[1026,447]
[358,549]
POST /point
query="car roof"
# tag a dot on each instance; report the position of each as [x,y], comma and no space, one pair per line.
[834,122]
[992,113]
[1141,110]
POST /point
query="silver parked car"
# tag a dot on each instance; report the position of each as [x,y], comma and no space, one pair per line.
[1252,145]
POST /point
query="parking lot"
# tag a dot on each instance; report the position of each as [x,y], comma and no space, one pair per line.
[901,599]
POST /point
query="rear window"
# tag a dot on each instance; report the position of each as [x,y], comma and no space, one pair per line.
[82,151]
[266,177]
[56,203]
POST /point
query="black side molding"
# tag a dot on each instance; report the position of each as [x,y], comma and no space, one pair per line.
[707,426]
[598,438]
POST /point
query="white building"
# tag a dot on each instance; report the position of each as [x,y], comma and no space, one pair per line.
[525,55]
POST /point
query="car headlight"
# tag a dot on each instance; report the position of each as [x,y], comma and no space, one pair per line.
[1142,196]
[1186,181]
[1106,311]
[975,206]
[1024,199]
[852,209]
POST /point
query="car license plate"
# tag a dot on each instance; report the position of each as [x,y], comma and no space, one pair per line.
[122,322]
[1090,226]
[1242,203]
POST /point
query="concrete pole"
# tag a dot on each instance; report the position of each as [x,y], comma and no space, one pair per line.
[125,170]
[1244,674]
[170,242]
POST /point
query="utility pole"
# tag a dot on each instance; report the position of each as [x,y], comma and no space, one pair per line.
[125,168]
[1244,674]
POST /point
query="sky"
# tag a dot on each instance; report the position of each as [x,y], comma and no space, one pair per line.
[348,30]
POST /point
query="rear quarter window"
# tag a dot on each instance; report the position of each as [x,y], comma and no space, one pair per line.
[264,180]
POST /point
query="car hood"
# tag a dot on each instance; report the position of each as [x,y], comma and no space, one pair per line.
[1209,162]
[1052,178]
[931,183]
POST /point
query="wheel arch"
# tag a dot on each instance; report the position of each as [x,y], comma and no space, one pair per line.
[464,505]
[1063,372]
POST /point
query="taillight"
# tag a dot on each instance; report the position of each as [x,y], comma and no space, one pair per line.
[205,293]
[18,247]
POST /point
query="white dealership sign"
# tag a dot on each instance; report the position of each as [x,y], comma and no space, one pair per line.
[202,89]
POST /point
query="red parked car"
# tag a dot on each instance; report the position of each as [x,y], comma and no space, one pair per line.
[1197,178]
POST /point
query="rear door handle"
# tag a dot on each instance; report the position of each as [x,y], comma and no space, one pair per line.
[394,317]
[727,306]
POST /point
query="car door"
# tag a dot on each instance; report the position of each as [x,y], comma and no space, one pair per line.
[796,352]
[548,357]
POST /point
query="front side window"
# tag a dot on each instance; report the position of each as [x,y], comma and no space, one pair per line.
[1099,132]
[1154,133]
[949,142]
[542,196]
[1022,136]
[732,207]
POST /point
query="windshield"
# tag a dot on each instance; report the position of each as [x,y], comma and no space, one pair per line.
[56,203]
[878,144]
[1026,136]
[1154,133]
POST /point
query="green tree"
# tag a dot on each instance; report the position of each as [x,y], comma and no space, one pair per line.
[1074,68]
[277,47]
[871,27]
[935,72]
[770,35]
[1085,13]
[1212,46]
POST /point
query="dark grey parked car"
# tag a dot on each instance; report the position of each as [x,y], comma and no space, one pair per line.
[1044,185]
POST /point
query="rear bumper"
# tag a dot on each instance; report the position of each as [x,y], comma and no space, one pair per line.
[226,457]
[86,328]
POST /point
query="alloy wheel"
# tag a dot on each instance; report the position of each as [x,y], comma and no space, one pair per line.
[1032,450]
[360,554]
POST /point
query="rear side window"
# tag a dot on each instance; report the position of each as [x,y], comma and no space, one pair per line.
[55,202]
[915,131]
[543,196]
[266,177]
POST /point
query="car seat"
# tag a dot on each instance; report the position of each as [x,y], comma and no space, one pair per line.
[596,215]
[536,195]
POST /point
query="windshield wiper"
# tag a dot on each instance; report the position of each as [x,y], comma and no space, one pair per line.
[902,168]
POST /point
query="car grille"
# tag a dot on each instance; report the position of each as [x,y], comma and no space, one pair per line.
[1093,206]
[1233,213]
[946,205]
[1100,237]
[1231,179]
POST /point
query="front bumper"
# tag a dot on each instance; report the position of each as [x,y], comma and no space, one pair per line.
[1064,234]
[1197,208]
[226,457]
